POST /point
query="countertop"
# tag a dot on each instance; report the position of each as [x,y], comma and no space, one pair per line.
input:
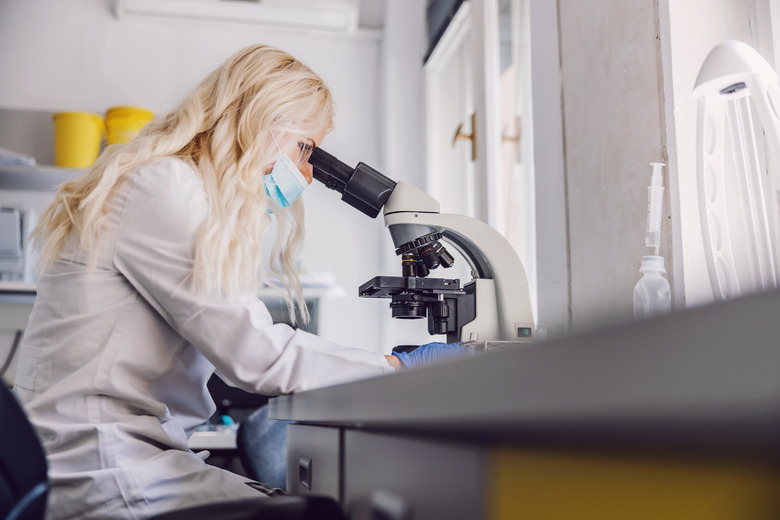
[708,374]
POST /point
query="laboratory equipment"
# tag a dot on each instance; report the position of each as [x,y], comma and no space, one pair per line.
[494,306]
[124,122]
[738,143]
[77,139]
[652,294]
[655,206]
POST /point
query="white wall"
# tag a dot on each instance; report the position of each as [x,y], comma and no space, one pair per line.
[542,141]
[77,55]
[402,91]
[627,73]
[613,128]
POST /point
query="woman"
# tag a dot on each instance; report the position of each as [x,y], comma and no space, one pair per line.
[151,264]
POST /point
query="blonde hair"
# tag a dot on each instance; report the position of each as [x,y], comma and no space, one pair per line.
[234,125]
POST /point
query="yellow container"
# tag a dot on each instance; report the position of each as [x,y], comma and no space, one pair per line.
[77,137]
[124,123]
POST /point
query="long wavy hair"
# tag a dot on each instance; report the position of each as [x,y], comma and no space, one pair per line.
[231,129]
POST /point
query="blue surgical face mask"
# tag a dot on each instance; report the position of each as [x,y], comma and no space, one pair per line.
[285,183]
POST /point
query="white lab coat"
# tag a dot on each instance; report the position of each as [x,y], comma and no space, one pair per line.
[114,363]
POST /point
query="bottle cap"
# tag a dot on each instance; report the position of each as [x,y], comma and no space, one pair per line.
[652,263]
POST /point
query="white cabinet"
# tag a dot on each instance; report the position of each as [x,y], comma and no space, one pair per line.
[495,145]
[474,81]
[314,460]
[377,475]
[405,478]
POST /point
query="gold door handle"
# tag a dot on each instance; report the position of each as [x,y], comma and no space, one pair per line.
[470,137]
[514,138]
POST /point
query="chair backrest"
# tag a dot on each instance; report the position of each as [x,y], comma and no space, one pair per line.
[23,481]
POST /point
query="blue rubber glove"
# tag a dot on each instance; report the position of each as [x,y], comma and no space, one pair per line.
[432,352]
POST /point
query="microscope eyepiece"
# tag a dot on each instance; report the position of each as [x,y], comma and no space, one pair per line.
[361,187]
[329,170]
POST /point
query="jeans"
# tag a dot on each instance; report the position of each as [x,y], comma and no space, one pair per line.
[262,445]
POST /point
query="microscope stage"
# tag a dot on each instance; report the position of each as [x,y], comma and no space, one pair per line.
[387,286]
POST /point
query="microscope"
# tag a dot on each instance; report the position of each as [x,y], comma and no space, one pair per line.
[494,306]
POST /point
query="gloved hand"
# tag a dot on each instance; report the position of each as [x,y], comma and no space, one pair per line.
[431,352]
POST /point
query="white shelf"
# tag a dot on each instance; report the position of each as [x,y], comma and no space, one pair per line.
[213,440]
[35,178]
[17,287]
[16,301]
[309,293]
[264,294]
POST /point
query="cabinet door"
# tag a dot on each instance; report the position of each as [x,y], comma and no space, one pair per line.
[472,94]
[453,148]
[399,478]
[477,79]
[313,460]
[512,210]
[495,76]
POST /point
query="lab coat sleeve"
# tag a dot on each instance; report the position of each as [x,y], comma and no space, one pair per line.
[154,250]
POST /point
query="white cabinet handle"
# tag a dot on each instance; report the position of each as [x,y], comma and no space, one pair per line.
[304,472]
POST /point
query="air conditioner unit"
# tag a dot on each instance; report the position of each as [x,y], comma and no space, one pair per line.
[338,16]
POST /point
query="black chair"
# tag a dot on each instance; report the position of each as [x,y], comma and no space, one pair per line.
[286,507]
[24,485]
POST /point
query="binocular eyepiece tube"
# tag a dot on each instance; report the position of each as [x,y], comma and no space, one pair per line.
[361,187]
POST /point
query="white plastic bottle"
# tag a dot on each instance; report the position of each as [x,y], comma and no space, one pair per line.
[652,295]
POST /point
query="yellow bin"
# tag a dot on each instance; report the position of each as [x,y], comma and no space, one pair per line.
[124,123]
[77,137]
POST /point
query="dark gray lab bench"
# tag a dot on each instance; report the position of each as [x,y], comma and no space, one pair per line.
[672,417]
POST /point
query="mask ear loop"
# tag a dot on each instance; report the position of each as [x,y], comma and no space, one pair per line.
[268,177]
[305,150]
